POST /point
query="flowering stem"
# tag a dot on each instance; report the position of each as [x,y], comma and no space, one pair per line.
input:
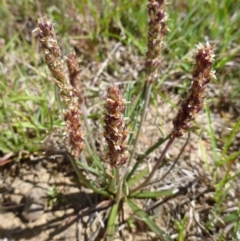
[112,183]
[174,163]
[147,97]
[202,74]
[55,63]
[84,114]
[119,187]
[156,31]
[159,161]
[149,150]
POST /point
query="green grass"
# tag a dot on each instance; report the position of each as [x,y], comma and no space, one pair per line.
[28,108]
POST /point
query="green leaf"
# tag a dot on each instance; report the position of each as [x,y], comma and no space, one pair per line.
[231,138]
[139,176]
[152,194]
[96,162]
[84,180]
[112,223]
[9,44]
[231,218]
[232,157]
[148,220]
[134,112]
[181,227]
[212,135]
[135,41]
[87,168]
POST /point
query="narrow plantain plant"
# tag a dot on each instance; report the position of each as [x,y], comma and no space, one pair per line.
[125,182]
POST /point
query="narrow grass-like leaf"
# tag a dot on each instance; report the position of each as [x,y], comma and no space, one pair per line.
[212,135]
[135,41]
[134,113]
[231,157]
[231,218]
[164,97]
[231,138]
[138,177]
[88,168]
[237,222]
[84,180]
[153,194]
[148,220]
[7,146]
[181,226]
[9,43]
[222,190]
[96,162]
[128,95]
[19,98]
[183,22]
[203,153]
[111,226]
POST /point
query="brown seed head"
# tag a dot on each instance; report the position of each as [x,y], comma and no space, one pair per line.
[73,69]
[73,124]
[72,113]
[115,129]
[156,31]
[52,52]
[202,75]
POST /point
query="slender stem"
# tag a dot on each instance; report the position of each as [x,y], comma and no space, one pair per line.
[147,152]
[120,183]
[84,113]
[112,181]
[176,159]
[147,180]
[146,97]
[174,163]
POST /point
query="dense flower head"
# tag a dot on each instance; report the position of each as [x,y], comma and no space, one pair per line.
[202,75]
[73,123]
[115,129]
[52,52]
[68,94]
[75,81]
[156,31]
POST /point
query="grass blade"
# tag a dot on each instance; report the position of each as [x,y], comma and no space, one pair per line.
[156,194]
[112,223]
[148,220]
[139,176]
